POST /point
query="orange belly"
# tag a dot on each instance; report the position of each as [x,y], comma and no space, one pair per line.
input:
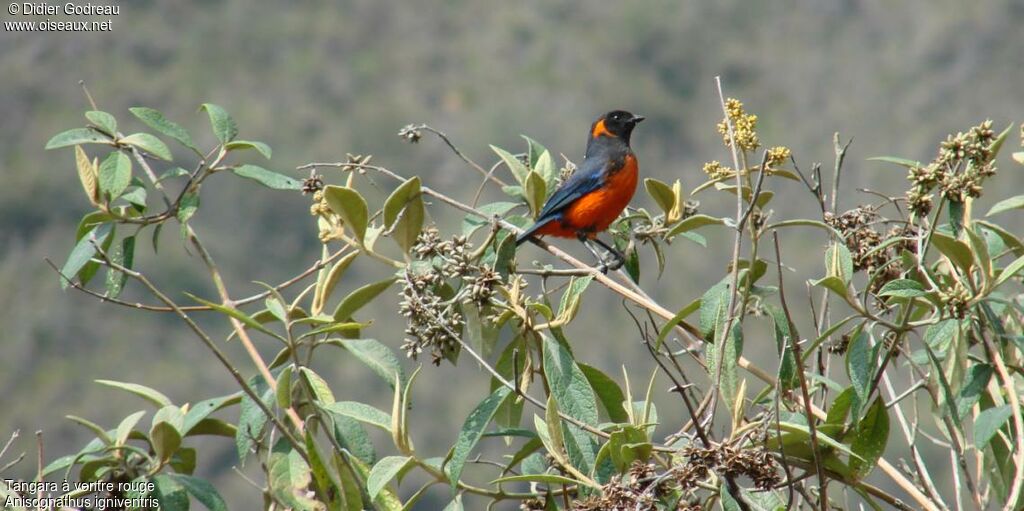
[595,211]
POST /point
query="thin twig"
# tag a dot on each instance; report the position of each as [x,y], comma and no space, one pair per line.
[798,355]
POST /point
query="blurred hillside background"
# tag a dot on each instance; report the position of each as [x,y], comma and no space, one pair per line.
[316,80]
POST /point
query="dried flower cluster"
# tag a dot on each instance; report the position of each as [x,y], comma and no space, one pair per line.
[436,322]
[411,133]
[744,126]
[630,491]
[727,460]
[963,162]
[863,241]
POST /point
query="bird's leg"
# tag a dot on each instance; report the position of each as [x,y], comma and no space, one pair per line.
[604,265]
[620,259]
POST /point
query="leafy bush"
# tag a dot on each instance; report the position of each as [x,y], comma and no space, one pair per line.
[917,280]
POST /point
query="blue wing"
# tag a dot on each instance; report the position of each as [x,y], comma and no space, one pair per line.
[587,178]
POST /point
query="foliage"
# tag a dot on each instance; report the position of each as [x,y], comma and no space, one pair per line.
[907,284]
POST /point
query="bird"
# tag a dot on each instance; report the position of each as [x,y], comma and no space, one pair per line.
[600,189]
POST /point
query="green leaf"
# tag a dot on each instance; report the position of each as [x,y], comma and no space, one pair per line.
[223,125]
[326,286]
[973,387]
[151,395]
[536,192]
[545,166]
[187,207]
[101,434]
[361,412]
[351,435]
[148,143]
[383,472]
[1008,272]
[519,171]
[252,420]
[535,150]
[165,434]
[662,194]
[350,206]
[156,120]
[870,439]
[570,303]
[260,147]
[171,495]
[289,477]
[841,406]
[572,393]
[103,120]
[125,427]
[481,333]
[860,366]
[473,222]
[124,256]
[470,433]
[77,136]
[267,178]
[115,174]
[80,261]
[375,355]
[201,410]
[834,284]
[957,251]
[902,288]
[202,490]
[784,339]
[693,222]
[903,162]
[1015,202]
[284,387]
[839,262]
[988,424]
[359,298]
[321,391]
[667,328]
[403,213]
[609,394]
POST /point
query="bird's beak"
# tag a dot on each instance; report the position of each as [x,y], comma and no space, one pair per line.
[638,118]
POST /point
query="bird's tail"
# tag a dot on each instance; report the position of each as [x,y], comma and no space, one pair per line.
[527,234]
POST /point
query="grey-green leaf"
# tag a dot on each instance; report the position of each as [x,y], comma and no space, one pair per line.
[378,357]
[351,206]
[76,136]
[202,490]
[224,126]
[260,147]
[267,178]
[988,423]
[115,174]
[361,412]
[103,120]
[902,288]
[471,431]
[150,144]
[383,472]
[156,120]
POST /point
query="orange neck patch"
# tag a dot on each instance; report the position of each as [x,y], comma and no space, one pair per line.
[600,129]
